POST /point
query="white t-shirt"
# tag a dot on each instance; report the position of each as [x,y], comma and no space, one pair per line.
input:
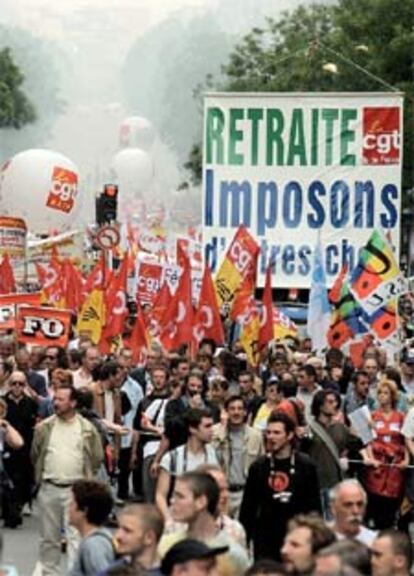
[181,460]
[408,426]
[155,409]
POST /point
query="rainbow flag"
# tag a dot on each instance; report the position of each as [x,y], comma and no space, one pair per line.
[377,278]
[347,317]
[385,326]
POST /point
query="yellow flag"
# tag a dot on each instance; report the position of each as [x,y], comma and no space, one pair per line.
[92,316]
[238,267]
[249,334]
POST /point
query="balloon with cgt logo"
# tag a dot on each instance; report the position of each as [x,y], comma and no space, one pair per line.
[40,186]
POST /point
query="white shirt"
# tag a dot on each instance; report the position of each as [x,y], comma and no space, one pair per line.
[134,392]
[157,407]
[408,426]
[181,459]
[365,536]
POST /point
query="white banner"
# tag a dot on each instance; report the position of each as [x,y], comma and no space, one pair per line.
[293,166]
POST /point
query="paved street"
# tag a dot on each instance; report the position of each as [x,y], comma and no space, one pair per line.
[21,545]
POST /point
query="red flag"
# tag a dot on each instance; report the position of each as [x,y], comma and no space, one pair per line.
[178,320]
[73,286]
[116,303]
[153,318]
[139,338]
[96,278]
[50,279]
[266,313]
[335,292]
[207,321]
[242,298]
[183,258]
[357,348]
[7,281]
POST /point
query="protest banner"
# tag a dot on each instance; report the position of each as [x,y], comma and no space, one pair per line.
[43,326]
[293,168]
[9,305]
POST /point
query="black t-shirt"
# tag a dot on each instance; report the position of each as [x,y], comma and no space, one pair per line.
[273,494]
[22,416]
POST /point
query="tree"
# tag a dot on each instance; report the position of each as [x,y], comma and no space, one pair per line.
[16,110]
[290,55]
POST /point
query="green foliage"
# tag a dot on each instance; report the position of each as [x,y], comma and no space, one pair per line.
[193,164]
[16,110]
[289,55]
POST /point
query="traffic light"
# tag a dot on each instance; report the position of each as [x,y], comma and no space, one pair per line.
[106,205]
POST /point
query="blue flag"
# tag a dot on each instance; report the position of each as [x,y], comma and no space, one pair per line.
[319,313]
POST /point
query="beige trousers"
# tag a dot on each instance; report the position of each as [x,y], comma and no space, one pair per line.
[53,511]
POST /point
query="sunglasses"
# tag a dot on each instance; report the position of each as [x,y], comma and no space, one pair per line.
[17,383]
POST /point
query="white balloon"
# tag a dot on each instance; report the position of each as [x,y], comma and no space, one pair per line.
[40,186]
[133,171]
[136,132]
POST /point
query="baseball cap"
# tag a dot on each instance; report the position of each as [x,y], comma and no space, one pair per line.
[271,381]
[407,356]
[187,550]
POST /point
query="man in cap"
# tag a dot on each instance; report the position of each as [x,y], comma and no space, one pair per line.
[191,557]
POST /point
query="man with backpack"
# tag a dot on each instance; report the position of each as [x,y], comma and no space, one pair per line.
[187,457]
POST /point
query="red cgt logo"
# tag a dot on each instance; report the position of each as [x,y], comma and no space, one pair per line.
[382,135]
[64,190]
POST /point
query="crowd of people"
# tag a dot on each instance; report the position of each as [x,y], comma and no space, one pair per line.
[197,466]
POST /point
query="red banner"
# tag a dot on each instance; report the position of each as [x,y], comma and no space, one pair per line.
[43,326]
[9,304]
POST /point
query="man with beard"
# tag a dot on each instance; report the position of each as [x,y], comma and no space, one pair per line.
[237,446]
[56,469]
[348,505]
[274,491]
